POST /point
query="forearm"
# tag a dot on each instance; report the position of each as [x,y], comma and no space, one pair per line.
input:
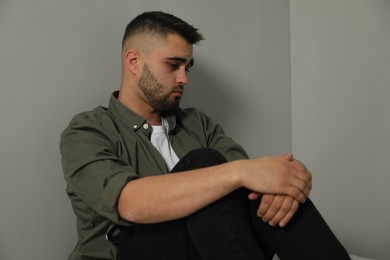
[176,195]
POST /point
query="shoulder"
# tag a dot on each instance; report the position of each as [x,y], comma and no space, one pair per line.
[95,116]
[99,118]
[96,123]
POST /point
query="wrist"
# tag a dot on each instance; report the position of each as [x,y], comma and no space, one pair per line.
[234,169]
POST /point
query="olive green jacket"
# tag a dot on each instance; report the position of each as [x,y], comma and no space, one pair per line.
[105,148]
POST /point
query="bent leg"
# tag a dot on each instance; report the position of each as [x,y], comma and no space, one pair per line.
[222,230]
[168,240]
[227,230]
[164,241]
[307,236]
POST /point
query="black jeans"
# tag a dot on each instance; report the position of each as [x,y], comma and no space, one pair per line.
[229,229]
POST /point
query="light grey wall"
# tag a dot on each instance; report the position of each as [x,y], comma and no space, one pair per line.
[340,107]
[58,58]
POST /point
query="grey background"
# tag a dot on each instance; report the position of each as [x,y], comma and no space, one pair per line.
[306,76]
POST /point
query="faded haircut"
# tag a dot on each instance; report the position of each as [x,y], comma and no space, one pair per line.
[161,23]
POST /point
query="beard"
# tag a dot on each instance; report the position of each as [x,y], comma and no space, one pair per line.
[156,93]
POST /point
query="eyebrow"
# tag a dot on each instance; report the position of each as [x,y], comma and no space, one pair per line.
[182,60]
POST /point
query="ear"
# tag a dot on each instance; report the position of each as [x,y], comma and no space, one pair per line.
[132,61]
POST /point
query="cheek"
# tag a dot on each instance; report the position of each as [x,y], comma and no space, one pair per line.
[165,81]
[163,76]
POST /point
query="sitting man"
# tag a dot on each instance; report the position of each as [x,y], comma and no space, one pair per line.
[170,180]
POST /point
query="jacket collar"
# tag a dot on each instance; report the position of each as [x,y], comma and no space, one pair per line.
[132,119]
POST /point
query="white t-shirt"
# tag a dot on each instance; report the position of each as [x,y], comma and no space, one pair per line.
[159,139]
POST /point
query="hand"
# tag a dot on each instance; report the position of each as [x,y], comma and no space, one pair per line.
[275,209]
[277,175]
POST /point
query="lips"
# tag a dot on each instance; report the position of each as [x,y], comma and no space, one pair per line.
[178,91]
[177,94]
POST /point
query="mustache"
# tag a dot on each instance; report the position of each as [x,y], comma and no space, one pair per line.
[178,88]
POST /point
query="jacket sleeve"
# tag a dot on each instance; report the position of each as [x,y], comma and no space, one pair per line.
[94,173]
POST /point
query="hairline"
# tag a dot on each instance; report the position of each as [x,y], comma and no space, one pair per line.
[162,24]
[152,39]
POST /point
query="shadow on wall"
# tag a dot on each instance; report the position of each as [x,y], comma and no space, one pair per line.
[212,95]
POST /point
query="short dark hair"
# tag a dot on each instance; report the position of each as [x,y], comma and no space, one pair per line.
[163,24]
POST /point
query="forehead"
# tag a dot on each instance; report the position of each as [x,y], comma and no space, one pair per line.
[173,46]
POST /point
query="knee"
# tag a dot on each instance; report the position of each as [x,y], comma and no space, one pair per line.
[202,157]
[207,156]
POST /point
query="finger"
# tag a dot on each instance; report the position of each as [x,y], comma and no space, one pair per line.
[254,195]
[295,193]
[306,190]
[283,211]
[290,214]
[301,187]
[301,183]
[289,156]
[273,209]
[304,175]
[299,165]
[266,201]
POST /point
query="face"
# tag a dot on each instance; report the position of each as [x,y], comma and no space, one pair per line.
[164,74]
[160,96]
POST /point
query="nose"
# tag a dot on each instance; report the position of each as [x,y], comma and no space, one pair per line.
[181,78]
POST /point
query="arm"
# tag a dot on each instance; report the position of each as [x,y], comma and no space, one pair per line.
[171,196]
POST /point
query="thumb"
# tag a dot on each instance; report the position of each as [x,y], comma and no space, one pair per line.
[254,195]
[289,156]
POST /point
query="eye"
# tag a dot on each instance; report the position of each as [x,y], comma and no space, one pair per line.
[174,66]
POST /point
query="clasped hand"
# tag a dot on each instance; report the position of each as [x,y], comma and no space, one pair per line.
[278,209]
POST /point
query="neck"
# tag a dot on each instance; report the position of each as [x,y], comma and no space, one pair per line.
[140,107]
[154,120]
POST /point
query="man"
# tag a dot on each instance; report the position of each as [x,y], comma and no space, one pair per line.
[171,180]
